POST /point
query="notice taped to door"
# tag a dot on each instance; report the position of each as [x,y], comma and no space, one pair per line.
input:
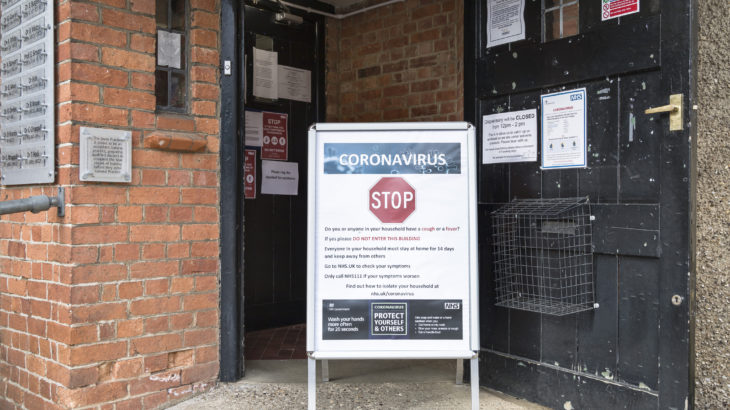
[509,137]
[505,21]
[563,124]
[392,262]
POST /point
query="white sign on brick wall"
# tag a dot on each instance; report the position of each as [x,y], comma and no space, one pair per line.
[105,155]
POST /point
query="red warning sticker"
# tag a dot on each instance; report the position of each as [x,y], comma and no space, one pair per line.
[617,8]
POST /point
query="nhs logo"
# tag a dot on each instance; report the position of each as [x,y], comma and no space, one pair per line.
[576,97]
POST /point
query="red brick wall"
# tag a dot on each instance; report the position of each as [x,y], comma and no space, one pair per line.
[117,302]
[401,62]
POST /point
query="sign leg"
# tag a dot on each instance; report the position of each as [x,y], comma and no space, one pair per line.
[474,366]
[459,371]
[325,370]
[311,384]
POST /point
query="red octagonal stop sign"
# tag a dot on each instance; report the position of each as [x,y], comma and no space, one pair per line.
[392,199]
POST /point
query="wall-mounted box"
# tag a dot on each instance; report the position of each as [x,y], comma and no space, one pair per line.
[543,255]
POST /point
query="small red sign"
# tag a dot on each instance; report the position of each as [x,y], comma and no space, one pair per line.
[616,8]
[276,141]
[249,174]
[392,200]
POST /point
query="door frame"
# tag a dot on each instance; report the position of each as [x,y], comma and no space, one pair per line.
[231,168]
[541,382]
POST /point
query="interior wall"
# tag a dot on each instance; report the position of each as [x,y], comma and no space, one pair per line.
[713,207]
[401,62]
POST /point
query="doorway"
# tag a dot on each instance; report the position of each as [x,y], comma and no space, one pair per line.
[275,224]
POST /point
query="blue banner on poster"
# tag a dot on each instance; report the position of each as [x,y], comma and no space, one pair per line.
[392,158]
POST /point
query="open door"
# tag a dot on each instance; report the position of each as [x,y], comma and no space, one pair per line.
[275,225]
[635,350]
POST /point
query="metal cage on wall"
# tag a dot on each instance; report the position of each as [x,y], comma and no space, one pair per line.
[543,255]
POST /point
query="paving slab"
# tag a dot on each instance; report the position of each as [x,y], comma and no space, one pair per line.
[354,384]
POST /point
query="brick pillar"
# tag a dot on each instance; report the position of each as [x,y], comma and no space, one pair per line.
[117,302]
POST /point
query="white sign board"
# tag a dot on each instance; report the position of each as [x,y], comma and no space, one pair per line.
[27,143]
[279,177]
[564,129]
[612,9]
[265,74]
[505,21]
[509,137]
[254,132]
[169,49]
[392,257]
[295,84]
[105,155]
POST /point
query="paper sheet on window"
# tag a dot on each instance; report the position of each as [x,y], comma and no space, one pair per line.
[254,128]
[279,177]
[295,84]
[505,21]
[168,49]
[265,73]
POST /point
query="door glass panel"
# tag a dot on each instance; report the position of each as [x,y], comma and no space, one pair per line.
[264,42]
[161,87]
[177,91]
[552,25]
[561,19]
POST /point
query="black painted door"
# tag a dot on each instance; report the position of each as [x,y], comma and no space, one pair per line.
[635,350]
[274,254]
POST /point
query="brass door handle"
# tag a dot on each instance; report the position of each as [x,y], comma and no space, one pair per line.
[663,108]
[674,108]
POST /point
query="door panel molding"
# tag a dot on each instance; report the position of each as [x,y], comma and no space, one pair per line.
[584,57]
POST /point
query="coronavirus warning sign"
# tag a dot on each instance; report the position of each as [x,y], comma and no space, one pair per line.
[612,9]
[392,260]
[249,174]
[275,138]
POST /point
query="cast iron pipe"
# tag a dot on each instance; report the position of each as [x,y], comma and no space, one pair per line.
[33,204]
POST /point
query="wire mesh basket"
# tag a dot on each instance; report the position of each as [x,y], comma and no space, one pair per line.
[543,255]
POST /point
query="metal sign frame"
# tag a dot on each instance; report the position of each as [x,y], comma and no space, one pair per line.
[365,132]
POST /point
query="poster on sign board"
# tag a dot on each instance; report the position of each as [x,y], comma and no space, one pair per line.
[392,266]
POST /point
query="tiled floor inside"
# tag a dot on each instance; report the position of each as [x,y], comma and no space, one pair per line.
[280,343]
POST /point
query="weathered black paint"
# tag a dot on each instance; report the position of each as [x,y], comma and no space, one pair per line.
[231,327]
[634,351]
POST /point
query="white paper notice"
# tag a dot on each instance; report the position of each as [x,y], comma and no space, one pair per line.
[509,137]
[564,129]
[265,73]
[505,21]
[279,177]
[168,49]
[295,84]
[254,128]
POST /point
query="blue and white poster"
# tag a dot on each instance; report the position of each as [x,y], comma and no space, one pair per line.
[564,129]
[392,254]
